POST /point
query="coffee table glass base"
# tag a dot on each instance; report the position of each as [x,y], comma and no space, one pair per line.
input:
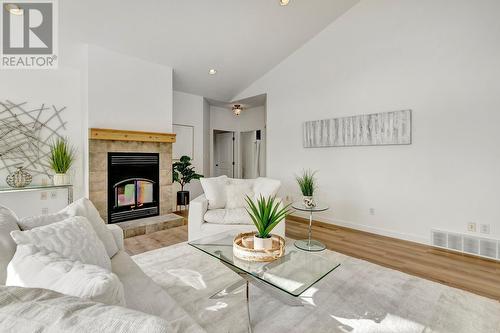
[310,245]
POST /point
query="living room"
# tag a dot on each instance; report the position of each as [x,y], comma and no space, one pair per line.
[265,166]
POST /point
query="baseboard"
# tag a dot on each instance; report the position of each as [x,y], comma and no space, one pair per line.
[367,228]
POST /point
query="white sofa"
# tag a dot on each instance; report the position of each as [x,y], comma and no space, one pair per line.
[141,293]
[213,212]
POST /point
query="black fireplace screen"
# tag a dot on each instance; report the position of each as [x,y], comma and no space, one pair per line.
[133,186]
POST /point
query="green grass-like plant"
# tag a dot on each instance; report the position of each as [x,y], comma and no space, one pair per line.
[62,155]
[266,214]
[307,182]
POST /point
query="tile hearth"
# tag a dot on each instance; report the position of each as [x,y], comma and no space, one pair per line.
[151,224]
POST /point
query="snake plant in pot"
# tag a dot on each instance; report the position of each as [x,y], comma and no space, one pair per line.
[61,158]
[183,173]
[265,213]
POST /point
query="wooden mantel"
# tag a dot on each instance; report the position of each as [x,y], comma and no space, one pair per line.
[121,135]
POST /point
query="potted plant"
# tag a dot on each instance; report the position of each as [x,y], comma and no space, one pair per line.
[307,184]
[265,214]
[62,156]
[183,173]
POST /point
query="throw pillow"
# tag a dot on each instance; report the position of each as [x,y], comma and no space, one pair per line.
[81,207]
[73,238]
[266,187]
[8,223]
[236,194]
[215,191]
[38,268]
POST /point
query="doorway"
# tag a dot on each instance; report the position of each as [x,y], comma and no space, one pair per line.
[253,154]
[224,146]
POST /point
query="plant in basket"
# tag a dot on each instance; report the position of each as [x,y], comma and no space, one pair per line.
[265,213]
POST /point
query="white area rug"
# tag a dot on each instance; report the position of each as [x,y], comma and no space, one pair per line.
[357,297]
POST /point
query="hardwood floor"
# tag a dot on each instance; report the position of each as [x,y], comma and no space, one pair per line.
[477,275]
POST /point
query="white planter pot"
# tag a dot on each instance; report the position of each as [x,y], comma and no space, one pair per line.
[308,201]
[262,243]
[61,179]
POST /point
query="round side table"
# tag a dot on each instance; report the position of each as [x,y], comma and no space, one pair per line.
[310,244]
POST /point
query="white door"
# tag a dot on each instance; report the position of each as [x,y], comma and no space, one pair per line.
[224,154]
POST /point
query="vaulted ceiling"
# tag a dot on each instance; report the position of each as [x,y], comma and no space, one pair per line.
[242,39]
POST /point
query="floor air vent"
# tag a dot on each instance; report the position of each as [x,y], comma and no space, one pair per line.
[484,247]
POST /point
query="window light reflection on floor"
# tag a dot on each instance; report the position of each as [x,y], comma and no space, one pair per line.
[189,277]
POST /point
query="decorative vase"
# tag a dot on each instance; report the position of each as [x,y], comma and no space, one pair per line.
[183,198]
[61,179]
[308,201]
[19,178]
[262,243]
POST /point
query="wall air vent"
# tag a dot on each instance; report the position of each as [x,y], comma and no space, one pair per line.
[488,248]
[455,242]
[465,243]
[471,245]
[439,238]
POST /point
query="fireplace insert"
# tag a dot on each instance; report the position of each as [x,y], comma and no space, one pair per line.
[133,186]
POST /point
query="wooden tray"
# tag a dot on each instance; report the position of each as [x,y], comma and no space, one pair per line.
[243,248]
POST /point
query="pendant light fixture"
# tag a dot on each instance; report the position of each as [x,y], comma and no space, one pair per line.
[237,109]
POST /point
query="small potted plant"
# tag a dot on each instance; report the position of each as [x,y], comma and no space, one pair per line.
[61,158]
[307,184]
[265,214]
[183,173]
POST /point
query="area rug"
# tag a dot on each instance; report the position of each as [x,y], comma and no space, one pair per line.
[357,297]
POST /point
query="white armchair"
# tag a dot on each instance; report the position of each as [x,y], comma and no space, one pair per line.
[205,221]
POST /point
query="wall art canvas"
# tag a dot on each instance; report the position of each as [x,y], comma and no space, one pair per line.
[385,128]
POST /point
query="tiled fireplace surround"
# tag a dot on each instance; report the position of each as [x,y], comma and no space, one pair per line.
[98,167]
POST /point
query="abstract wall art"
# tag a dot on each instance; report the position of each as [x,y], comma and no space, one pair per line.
[385,128]
[26,132]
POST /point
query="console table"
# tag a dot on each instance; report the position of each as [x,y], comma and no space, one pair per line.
[31,188]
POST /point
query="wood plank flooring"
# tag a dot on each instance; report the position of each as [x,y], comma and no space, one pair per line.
[477,275]
[474,274]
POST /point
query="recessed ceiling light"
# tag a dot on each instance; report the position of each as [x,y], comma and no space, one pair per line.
[13,9]
[284,2]
[212,71]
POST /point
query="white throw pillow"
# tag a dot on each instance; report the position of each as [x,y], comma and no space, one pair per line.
[215,191]
[38,268]
[74,238]
[8,223]
[81,207]
[266,187]
[236,194]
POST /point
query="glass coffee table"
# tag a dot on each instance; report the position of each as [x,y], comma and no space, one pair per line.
[286,278]
[310,244]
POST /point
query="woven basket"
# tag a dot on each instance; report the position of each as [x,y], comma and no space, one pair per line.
[243,248]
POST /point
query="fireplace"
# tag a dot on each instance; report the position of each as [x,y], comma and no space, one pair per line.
[133,186]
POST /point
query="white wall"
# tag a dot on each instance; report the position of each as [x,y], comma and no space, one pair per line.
[224,119]
[438,58]
[189,110]
[59,87]
[128,93]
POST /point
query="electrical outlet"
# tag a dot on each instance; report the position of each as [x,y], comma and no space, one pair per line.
[53,195]
[45,211]
[471,227]
[484,228]
[371,211]
[43,195]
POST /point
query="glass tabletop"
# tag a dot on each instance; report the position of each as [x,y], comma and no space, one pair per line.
[320,207]
[293,273]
